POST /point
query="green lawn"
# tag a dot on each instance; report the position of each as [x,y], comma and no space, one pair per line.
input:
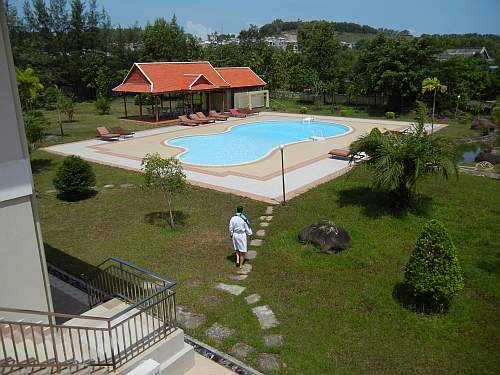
[337,312]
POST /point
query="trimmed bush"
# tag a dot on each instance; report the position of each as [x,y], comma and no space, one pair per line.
[74,179]
[390,115]
[303,110]
[103,105]
[433,272]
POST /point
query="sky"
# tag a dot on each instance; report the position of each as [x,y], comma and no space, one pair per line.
[200,17]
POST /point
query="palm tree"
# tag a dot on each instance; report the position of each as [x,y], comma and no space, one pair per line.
[29,87]
[433,85]
[400,161]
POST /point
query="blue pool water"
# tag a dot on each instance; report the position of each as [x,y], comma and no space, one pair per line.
[249,142]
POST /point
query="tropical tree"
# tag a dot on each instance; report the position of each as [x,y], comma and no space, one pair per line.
[35,124]
[165,175]
[433,85]
[400,161]
[29,87]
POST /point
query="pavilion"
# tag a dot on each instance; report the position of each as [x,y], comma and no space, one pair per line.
[192,86]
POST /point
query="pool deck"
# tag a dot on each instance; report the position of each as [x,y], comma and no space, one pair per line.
[307,163]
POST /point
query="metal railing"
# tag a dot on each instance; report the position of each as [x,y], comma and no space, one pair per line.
[94,341]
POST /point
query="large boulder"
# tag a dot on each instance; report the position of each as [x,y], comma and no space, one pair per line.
[487,156]
[327,235]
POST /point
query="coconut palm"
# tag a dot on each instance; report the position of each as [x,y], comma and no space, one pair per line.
[433,85]
[399,161]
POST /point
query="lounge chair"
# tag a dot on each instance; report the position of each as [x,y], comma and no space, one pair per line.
[194,117]
[202,116]
[105,135]
[187,122]
[346,154]
[218,116]
[247,111]
[123,133]
[391,132]
[235,113]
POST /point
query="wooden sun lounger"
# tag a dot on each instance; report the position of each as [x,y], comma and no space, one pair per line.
[194,117]
[235,113]
[218,116]
[123,133]
[187,122]
[202,116]
[105,135]
[346,154]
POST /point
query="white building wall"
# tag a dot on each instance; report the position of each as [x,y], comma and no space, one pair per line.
[23,271]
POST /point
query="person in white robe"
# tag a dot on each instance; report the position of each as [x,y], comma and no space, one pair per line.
[239,229]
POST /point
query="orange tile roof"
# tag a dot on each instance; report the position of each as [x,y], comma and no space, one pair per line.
[185,76]
[241,77]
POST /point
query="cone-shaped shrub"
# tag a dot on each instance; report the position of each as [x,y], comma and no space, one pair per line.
[74,178]
[433,272]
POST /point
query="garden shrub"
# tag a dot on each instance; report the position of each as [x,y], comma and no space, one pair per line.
[343,112]
[35,124]
[390,115]
[103,105]
[433,272]
[303,110]
[74,179]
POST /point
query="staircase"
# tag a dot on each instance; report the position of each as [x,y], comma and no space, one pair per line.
[134,321]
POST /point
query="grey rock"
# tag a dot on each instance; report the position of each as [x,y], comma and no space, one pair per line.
[187,319]
[241,349]
[269,210]
[127,185]
[251,254]
[245,270]
[327,235]
[266,317]
[261,233]
[268,361]
[256,242]
[218,332]
[252,298]
[273,340]
[109,186]
[238,277]
[264,224]
[232,289]
[487,156]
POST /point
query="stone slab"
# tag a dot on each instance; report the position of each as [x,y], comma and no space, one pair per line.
[252,298]
[245,270]
[261,233]
[238,277]
[109,186]
[218,332]
[127,185]
[187,319]
[268,361]
[273,340]
[256,242]
[269,218]
[235,290]
[262,218]
[264,224]
[241,349]
[269,210]
[251,254]
[266,317]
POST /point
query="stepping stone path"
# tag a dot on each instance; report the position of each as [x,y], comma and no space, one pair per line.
[273,340]
[251,254]
[188,319]
[268,218]
[238,277]
[235,290]
[252,298]
[264,224]
[260,233]
[266,317]
[268,361]
[256,242]
[127,185]
[269,210]
[241,349]
[245,270]
[109,186]
[218,332]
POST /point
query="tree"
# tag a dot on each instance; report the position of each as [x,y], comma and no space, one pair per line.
[35,124]
[165,175]
[74,178]
[66,105]
[433,272]
[400,161]
[433,85]
[29,87]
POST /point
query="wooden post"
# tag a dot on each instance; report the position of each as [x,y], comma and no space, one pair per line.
[170,102]
[157,111]
[161,101]
[209,101]
[191,102]
[140,105]
[223,100]
[125,104]
[183,105]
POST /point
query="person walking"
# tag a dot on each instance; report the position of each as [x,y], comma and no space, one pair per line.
[239,228]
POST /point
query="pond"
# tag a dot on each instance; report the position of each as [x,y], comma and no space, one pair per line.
[468,152]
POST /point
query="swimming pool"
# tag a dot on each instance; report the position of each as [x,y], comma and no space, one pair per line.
[249,142]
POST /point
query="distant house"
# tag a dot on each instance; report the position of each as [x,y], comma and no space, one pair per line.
[465,53]
[283,41]
[347,44]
